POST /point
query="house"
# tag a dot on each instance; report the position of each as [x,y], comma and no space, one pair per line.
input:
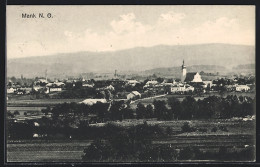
[132,82]
[208,83]
[177,88]
[37,88]
[88,83]
[110,88]
[150,84]
[242,88]
[10,90]
[41,82]
[93,101]
[230,88]
[133,95]
[55,89]
[25,90]
[193,77]
[181,88]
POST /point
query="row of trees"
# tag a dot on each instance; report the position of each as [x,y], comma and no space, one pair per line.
[135,145]
[209,108]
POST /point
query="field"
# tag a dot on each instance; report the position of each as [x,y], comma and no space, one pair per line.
[40,102]
[150,100]
[44,151]
[240,133]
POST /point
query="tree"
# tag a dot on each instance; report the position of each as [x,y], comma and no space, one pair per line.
[116,110]
[140,111]
[149,111]
[160,109]
[97,151]
[10,115]
[189,108]
[160,80]
[128,113]
[101,94]
[168,130]
[16,113]
[46,111]
[101,109]
[108,94]
[176,107]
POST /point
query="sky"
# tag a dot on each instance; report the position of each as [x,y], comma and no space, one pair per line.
[99,28]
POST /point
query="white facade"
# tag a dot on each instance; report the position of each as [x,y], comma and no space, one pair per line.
[181,88]
[240,88]
[197,78]
[150,83]
[132,82]
[10,90]
[55,89]
[133,94]
[93,101]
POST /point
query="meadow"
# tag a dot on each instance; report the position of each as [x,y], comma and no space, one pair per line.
[239,135]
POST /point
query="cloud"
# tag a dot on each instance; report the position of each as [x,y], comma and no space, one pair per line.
[171,17]
[125,32]
[127,24]
[222,30]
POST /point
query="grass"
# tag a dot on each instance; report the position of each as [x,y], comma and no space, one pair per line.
[40,102]
[240,133]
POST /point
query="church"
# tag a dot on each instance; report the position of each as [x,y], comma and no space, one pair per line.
[190,76]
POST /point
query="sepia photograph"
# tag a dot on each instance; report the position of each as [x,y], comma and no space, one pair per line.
[130,83]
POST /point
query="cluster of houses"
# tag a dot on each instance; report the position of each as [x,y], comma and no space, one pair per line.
[190,82]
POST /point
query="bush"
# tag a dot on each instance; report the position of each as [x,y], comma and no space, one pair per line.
[223,128]
[214,129]
[203,130]
[186,154]
[168,131]
[187,128]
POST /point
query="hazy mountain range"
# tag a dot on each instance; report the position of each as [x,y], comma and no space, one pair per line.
[203,57]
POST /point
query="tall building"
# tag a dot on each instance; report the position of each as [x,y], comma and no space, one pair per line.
[183,72]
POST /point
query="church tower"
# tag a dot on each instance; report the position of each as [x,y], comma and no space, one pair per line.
[183,72]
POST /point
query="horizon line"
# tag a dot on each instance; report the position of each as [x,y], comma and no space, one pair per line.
[109,51]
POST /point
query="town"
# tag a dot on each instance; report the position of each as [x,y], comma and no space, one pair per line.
[73,108]
[191,83]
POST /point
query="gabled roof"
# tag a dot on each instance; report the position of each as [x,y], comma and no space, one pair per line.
[136,93]
[93,101]
[190,76]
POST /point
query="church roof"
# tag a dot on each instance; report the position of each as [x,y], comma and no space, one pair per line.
[190,76]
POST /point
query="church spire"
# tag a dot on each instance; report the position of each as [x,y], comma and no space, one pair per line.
[183,66]
[183,72]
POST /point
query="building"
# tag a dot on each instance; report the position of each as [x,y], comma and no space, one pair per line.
[55,89]
[150,84]
[87,83]
[189,77]
[93,101]
[242,88]
[183,72]
[181,88]
[25,90]
[10,90]
[193,77]
[208,83]
[133,95]
[132,82]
